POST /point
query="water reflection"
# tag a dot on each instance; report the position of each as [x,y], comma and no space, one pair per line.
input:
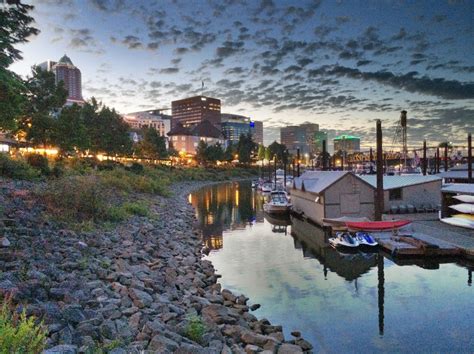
[342,302]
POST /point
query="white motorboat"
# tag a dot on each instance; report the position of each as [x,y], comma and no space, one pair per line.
[267,187]
[465,198]
[343,239]
[278,203]
[365,239]
[464,208]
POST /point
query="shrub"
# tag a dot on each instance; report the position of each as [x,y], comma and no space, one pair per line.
[195,329]
[39,162]
[16,169]
[136,168]
[108,165]
[136,208]
[58,170]
[19,334]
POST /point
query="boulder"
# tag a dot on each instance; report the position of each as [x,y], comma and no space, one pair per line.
[140,298]
[161,344]
[62,349]
[287,348]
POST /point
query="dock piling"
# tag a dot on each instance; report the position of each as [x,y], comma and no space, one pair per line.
[324,160]
[424,158]
[469,158]
[379,191]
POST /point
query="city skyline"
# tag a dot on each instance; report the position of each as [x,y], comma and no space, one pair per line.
[337,64]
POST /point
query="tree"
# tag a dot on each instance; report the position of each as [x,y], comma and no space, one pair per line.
[245,147]
[14,29]
[70,130]
[278,150]
[268,154]
[444,144]
[45,98]
[230,152]
[261,152]
[153,145]
[214,153]
[107,131]
[201,156]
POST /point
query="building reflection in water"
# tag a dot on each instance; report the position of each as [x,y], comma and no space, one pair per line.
[226,206]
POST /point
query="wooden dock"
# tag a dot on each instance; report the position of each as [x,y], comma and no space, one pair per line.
[415,245]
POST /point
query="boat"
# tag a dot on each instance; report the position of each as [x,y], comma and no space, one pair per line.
[376,225]
[278,203]
[343,239]
[267,187]
[461,222]
[465,198]
[464,208]
[341,222]
[365,239]
[254,184]
[464,216]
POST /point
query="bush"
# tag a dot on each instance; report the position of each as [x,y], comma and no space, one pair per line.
[16,169]
[195,329]
[19,334]
[108,165]
[136,168]
[58,169]
[136,208]
[39,162]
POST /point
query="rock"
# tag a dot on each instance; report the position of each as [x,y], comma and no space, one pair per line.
[62,349]
[254,307]
[161,344]
[254,338]
[4,242]
[304,344]
[286,348]
[227,295]
[252,349]
[217,314]
[73,314]
[140,298]
[296,334]
[108,329]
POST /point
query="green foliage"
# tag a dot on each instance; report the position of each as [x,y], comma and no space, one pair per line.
[19,334]
[70,130]
[58,170]
[278,150]
[136,168]
[195,329]
[137,208]
[39,162]
[153,146]
[12,99]
[16,169]
[15,29]
[245,148]
[261,153]
[209,153]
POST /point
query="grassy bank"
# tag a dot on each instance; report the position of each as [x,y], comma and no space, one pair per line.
[85,193]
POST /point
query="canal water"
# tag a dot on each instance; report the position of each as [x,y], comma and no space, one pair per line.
[362,302]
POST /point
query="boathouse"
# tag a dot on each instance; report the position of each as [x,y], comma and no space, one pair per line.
[409,193]
[332,194]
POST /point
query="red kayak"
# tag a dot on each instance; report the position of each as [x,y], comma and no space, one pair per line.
[377,225]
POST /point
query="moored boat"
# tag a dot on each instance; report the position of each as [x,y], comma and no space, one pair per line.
[458,221]
[464,208]
[465,198]
[278,203]
[377,225]
[365,239]
[343,239]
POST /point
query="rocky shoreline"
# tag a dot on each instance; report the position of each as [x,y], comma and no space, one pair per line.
[134,289]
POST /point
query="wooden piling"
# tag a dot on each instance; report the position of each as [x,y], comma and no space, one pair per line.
[379,192]
[446,157]
[424,158]
[371,161]
[298,162]
[275,170]
[469,158]
[324,160]
[438,160]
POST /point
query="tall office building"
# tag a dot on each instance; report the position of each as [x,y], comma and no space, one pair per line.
[191,111]
[65,71]
[299,136]
[233,126]
[152,119]
[347,143]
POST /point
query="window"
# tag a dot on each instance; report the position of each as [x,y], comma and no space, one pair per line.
[395,194]
[183,138]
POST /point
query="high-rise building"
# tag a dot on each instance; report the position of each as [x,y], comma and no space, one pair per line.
[301,137]
[233,126]
[347,143]
[193,110]
[152,119]
[65,71]
[318,139]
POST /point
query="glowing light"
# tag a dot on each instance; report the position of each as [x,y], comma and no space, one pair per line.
[4,148]
[42,151]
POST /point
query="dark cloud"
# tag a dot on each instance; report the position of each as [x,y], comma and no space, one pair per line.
[169,70]
[229,48]
[448,89]
[235,70]
[132,42]
[108,5]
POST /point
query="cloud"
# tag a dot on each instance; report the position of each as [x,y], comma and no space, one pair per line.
[132,42]
[169,70]
[229,48]
[448,89]
[108,5]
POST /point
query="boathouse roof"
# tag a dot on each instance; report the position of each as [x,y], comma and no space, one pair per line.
[318,181]
[463,188]
[393,182]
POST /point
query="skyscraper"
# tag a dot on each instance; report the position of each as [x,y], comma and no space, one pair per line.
[299,137]
[194,110]
[234,125]
[65,71]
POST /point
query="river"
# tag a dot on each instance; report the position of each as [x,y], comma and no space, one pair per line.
[363,302]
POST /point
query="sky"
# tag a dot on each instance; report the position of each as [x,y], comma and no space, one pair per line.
[339,63]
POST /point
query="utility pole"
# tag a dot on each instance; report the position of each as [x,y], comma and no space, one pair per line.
[379,192]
